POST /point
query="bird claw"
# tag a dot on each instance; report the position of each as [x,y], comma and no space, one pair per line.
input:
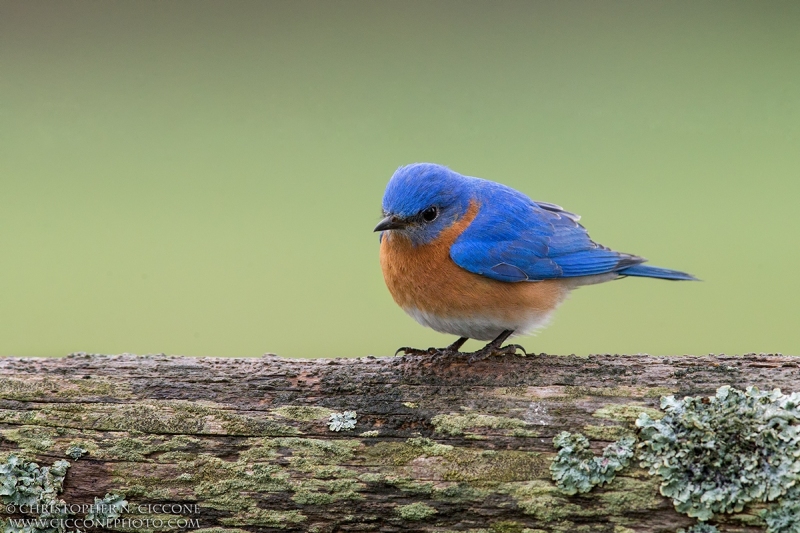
[511,349]
[431,352]
[446,352]
[489,351]
[407,350]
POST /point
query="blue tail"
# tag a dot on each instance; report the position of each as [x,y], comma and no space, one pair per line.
[645,271]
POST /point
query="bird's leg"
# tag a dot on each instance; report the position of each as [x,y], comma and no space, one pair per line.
[450,350]
[456,346]
[496,347]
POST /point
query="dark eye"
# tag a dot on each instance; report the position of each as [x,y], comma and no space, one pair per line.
[430,214]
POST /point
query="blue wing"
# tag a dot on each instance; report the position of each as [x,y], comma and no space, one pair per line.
[514,238]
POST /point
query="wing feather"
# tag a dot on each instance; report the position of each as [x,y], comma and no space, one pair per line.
[515,239]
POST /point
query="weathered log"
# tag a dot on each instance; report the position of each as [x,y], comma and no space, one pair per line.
[437,445]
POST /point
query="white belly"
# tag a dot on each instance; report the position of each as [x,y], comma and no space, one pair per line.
[484,328]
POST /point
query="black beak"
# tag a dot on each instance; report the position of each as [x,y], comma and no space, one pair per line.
[391,222]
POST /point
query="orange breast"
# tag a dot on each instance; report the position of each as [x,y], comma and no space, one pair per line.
[426,278]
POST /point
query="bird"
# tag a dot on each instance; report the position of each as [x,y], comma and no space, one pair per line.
[477,259]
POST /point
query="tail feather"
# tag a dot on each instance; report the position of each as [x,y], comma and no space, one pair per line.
[646,271]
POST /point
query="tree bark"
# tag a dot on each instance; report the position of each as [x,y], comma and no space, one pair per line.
[438,445]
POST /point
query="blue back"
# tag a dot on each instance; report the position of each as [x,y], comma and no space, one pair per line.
[512,238]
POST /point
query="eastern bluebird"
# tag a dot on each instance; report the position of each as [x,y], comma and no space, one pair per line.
[480,260]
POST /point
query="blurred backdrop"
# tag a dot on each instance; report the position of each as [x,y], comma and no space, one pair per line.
[203,177]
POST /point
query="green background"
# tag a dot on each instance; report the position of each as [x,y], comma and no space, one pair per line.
[202,178]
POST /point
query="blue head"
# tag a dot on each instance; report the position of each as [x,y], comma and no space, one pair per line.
[422,199]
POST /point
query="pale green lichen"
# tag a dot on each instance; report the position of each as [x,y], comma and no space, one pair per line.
[621,391]
[576,469]
[330,484]
[223,485]
[266,517]
[482,469]
[507,526]
[75,452]
[316,451]
[715,455]
[459,464]
[402,453]
[371,477]
[303,413]
[540,499]
[311,474]
[409,485]
[751,517]
[626,412]
[784,516]
[33,438]
[429,447]
[168,417]
[702,527]
[25,483]
[625,497]
[458,492]
[137,448]
[629,495]
[457,424]
[712,455]
[342,421]
[607,433]
[36,388]
[415,511]
[525,433]
[107,508]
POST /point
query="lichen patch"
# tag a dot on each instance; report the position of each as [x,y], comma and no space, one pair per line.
[457,424]
[716,455]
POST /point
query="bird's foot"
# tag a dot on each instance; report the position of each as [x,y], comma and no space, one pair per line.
[496,348]
[491,350]
[407,350]
[433,353]
[452,350]
[447,352]
[430,352]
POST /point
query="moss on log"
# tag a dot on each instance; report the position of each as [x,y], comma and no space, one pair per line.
[372,444]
